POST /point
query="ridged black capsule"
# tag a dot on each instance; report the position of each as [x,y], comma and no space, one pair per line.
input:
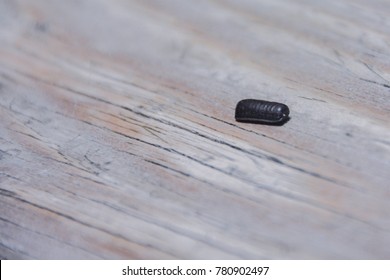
[260,111]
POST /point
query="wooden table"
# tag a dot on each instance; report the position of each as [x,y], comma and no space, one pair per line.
[118,138]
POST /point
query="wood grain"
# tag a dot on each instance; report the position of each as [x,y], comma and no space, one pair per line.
[118,138]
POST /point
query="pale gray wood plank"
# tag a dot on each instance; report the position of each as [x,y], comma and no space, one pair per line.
[118,138]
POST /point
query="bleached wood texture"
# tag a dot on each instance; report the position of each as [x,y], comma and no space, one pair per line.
[118,137]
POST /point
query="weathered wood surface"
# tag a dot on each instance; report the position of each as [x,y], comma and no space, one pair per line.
[118,137]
